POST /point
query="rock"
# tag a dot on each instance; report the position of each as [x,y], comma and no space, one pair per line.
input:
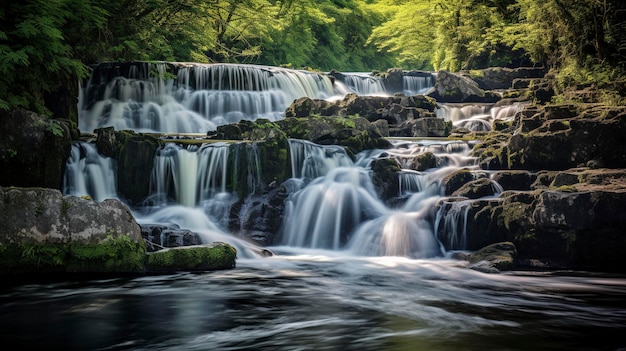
[494,258]
[135,161]
[258,218]
[455,180]
[514,180]
[558,138]
[476,189]
[385,177]
[33,150]
[423,127]
[355,133]
[44,231]
[451,87]
[213,256]
[161,236]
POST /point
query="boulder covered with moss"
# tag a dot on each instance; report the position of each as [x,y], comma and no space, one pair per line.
[192,258]
[44,231]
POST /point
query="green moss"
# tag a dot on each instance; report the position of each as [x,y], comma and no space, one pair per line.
[119,254]
[219,256]
[566,189]
[24,258]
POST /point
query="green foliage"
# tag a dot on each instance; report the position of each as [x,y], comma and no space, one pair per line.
[35,56]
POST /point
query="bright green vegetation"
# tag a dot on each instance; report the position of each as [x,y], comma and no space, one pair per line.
[46,45]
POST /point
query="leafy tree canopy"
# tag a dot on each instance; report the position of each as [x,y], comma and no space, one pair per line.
[45,45]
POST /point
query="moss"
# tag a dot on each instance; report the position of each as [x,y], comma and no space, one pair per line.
[119,254]
[26,258]
[213,257]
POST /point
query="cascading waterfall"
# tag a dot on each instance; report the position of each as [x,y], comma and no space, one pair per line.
[324,213]
[340,209]
[147,97]
[191,175]
[476,117]
[413,85]
[310,160]
[364,84]
[332,202]
[90,174]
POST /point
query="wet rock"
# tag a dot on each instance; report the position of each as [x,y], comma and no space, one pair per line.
[385,177]
[494,258]
[213,256]
[514,180]
[455,180]
[475,189]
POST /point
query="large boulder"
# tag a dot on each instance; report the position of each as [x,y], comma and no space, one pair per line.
[135,157]
[451,87]
[44,231]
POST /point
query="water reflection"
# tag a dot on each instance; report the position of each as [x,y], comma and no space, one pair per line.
[314,299]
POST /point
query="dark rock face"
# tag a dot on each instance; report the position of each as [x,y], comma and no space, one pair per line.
[557,138]
[574,221]
[33,150]
[494,258]
[259,218]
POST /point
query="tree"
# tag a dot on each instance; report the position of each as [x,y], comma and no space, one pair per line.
[35,55]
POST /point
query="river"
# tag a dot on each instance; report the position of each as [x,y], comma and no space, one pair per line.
[320,300]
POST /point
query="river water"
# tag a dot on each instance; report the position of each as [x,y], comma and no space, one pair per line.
[320,300]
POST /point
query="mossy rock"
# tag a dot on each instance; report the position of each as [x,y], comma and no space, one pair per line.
[494,258]
[455,180]
[112,255]
[192,258]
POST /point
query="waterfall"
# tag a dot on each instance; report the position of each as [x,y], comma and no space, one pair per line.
[310,160]
[476,117]
[191,175]
[196,98]
[451,224]
[396,234]
[90,174]
[414,85]
[364,84]
[324,213]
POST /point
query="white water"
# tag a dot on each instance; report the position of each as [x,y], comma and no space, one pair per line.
[197,100]
[363,84]
[90,174]
[477,117]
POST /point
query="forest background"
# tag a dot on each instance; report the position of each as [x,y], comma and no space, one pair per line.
[46,45]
